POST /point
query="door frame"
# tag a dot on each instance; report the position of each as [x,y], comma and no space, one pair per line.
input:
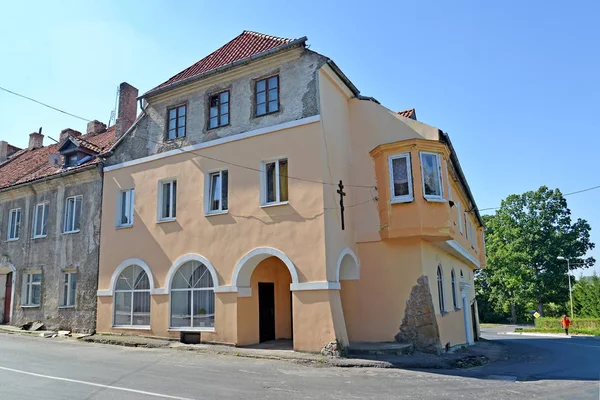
[13,288]
[260,319]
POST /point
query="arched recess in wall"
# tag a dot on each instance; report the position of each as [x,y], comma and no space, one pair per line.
[348,266]
[247,264]
[120,268]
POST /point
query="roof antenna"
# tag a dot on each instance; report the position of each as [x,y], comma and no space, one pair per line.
[40,132]
[113,114]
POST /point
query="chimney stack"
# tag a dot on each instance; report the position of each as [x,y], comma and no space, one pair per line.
[3,151]
[127,108]
[36,140]
[68,132]
[95,127]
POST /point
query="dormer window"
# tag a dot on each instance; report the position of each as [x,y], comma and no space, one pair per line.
[71,160]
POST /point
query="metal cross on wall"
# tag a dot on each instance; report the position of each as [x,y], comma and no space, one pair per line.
[342,194]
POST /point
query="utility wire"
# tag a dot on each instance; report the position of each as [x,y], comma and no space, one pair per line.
[44,104]
[246,167]
[564,195]
[199,155]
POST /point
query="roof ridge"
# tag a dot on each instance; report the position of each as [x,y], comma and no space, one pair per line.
[264,35]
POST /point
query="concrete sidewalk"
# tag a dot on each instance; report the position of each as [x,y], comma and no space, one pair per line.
[483,352]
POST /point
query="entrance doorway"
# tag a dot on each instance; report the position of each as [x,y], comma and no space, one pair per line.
[7,298]
[266,311]
[474,321]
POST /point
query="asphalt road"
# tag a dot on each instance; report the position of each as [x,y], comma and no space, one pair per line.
[33,367]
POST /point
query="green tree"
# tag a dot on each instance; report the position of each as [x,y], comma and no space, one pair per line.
[523,240]
[586,297]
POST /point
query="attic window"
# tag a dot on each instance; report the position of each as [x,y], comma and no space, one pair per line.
[71,160]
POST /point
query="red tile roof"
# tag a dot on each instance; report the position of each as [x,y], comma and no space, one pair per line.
[412,114]
[246,45]
[29,165]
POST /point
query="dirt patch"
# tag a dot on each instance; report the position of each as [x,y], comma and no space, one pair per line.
[128,341]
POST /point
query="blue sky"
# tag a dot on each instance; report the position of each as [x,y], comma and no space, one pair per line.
[516,84]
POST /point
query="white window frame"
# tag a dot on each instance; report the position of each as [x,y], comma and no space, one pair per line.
[132,291]
[28,284]
[208,192]
[406,198]
[263,182]
[190,328]
[172,194]
[427,197]
[35,223]
[74,213]
[129,207]
[14,230]
[66,288]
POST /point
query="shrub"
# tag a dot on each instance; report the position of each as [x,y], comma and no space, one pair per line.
[577,323]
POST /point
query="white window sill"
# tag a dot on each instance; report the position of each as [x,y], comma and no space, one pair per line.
[124,226]
[39,237]
[30,306]
[140,327]
[435,199]
[71,232]
[12,240]
[399,200]
[211,213]
[163,220]
[66,307]
[281,203]
[191,329]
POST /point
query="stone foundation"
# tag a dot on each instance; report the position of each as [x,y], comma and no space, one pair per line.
[419,326]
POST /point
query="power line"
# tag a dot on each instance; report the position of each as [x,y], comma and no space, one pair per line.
[44,104]
[199,155]
[564,195]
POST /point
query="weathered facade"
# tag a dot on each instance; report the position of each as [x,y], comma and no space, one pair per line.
[221,213]
[50,213]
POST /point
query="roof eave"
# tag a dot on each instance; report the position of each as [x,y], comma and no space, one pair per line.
[348,82]
[444,137]
[154,92]
[49,177]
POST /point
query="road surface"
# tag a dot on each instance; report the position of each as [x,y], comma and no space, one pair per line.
[33,367]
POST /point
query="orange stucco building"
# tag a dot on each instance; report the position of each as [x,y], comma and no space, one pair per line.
[221,214]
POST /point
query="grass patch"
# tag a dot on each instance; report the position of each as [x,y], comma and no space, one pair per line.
[572,331]
[485,325]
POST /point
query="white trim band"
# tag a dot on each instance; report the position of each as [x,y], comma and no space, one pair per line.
[464,253]
[216,142]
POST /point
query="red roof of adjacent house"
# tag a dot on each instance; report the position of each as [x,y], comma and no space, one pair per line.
[246,45]
[412,114]
[30,165]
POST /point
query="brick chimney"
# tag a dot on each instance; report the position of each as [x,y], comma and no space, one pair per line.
[95,127]
[68,132]
[36,140]
[127,108]
[3,151]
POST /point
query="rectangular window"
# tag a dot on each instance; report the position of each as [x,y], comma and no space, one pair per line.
[460,217]
[68,289]
[31,289]
[14,224]
[40,220]
[217,195]
[275,181]
[73,214]
[431,171]
[400,178]
[125,208]
[168,200]
[176,122]
[218,110]
[267,95]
